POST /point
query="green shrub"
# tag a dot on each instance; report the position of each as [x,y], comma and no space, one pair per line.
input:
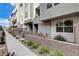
[29,42]
[2,40]
[58,53]
[1,28]
[60,38]
[35,45]
[32,44]
[43,50]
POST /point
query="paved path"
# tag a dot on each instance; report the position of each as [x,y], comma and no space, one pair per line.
[15,46]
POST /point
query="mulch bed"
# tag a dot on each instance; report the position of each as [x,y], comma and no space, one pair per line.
[36,52]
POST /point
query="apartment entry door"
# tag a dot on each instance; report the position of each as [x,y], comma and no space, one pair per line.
[31,27]
[36,28]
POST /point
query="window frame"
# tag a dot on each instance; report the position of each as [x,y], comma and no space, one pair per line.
[55,4]
[68,26]
[21,5]
[49,5]
[64,27]
[59,26]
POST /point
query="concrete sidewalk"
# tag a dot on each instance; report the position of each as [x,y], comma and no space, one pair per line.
[15,46]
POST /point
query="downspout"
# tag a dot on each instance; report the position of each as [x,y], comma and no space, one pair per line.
[50,28]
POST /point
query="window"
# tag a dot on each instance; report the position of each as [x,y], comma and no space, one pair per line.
[38,11]
[59,27]
[49,5]
[21,5]
[56,4]
[68,23]
[66,26]
[68,29]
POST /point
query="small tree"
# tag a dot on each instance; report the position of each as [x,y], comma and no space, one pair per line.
[14,21]
[2,39]
[1,28]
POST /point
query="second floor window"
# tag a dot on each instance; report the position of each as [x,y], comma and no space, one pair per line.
[49,5]
[21,5]
[56,4]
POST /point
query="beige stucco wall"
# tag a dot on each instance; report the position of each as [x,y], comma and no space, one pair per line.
[31,9]
[76,24]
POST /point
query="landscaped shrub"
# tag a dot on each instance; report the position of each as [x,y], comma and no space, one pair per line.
[32,44]
[43,50]
[60,38]
[2,40]
[58,53]
[29,42]
[12,33]
[35,45]
[1,28]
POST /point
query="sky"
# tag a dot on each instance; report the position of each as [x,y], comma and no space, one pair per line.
[5,12]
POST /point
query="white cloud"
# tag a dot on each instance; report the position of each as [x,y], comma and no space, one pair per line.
[3,19]
[4,22]
[13,4]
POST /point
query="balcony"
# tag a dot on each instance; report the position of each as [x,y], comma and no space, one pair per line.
[36,19]
[28,21]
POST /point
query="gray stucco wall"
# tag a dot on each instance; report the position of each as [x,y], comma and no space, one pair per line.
[44,28]
[58,10]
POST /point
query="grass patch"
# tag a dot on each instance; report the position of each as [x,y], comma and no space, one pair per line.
[43,50]
[58,53]
[32,44]
[29,42]
[35,45]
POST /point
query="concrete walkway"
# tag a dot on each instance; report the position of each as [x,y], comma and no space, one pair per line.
[15,46]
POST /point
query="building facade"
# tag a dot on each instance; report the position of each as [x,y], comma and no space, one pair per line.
[59,19]
[12,17]
[50,18]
